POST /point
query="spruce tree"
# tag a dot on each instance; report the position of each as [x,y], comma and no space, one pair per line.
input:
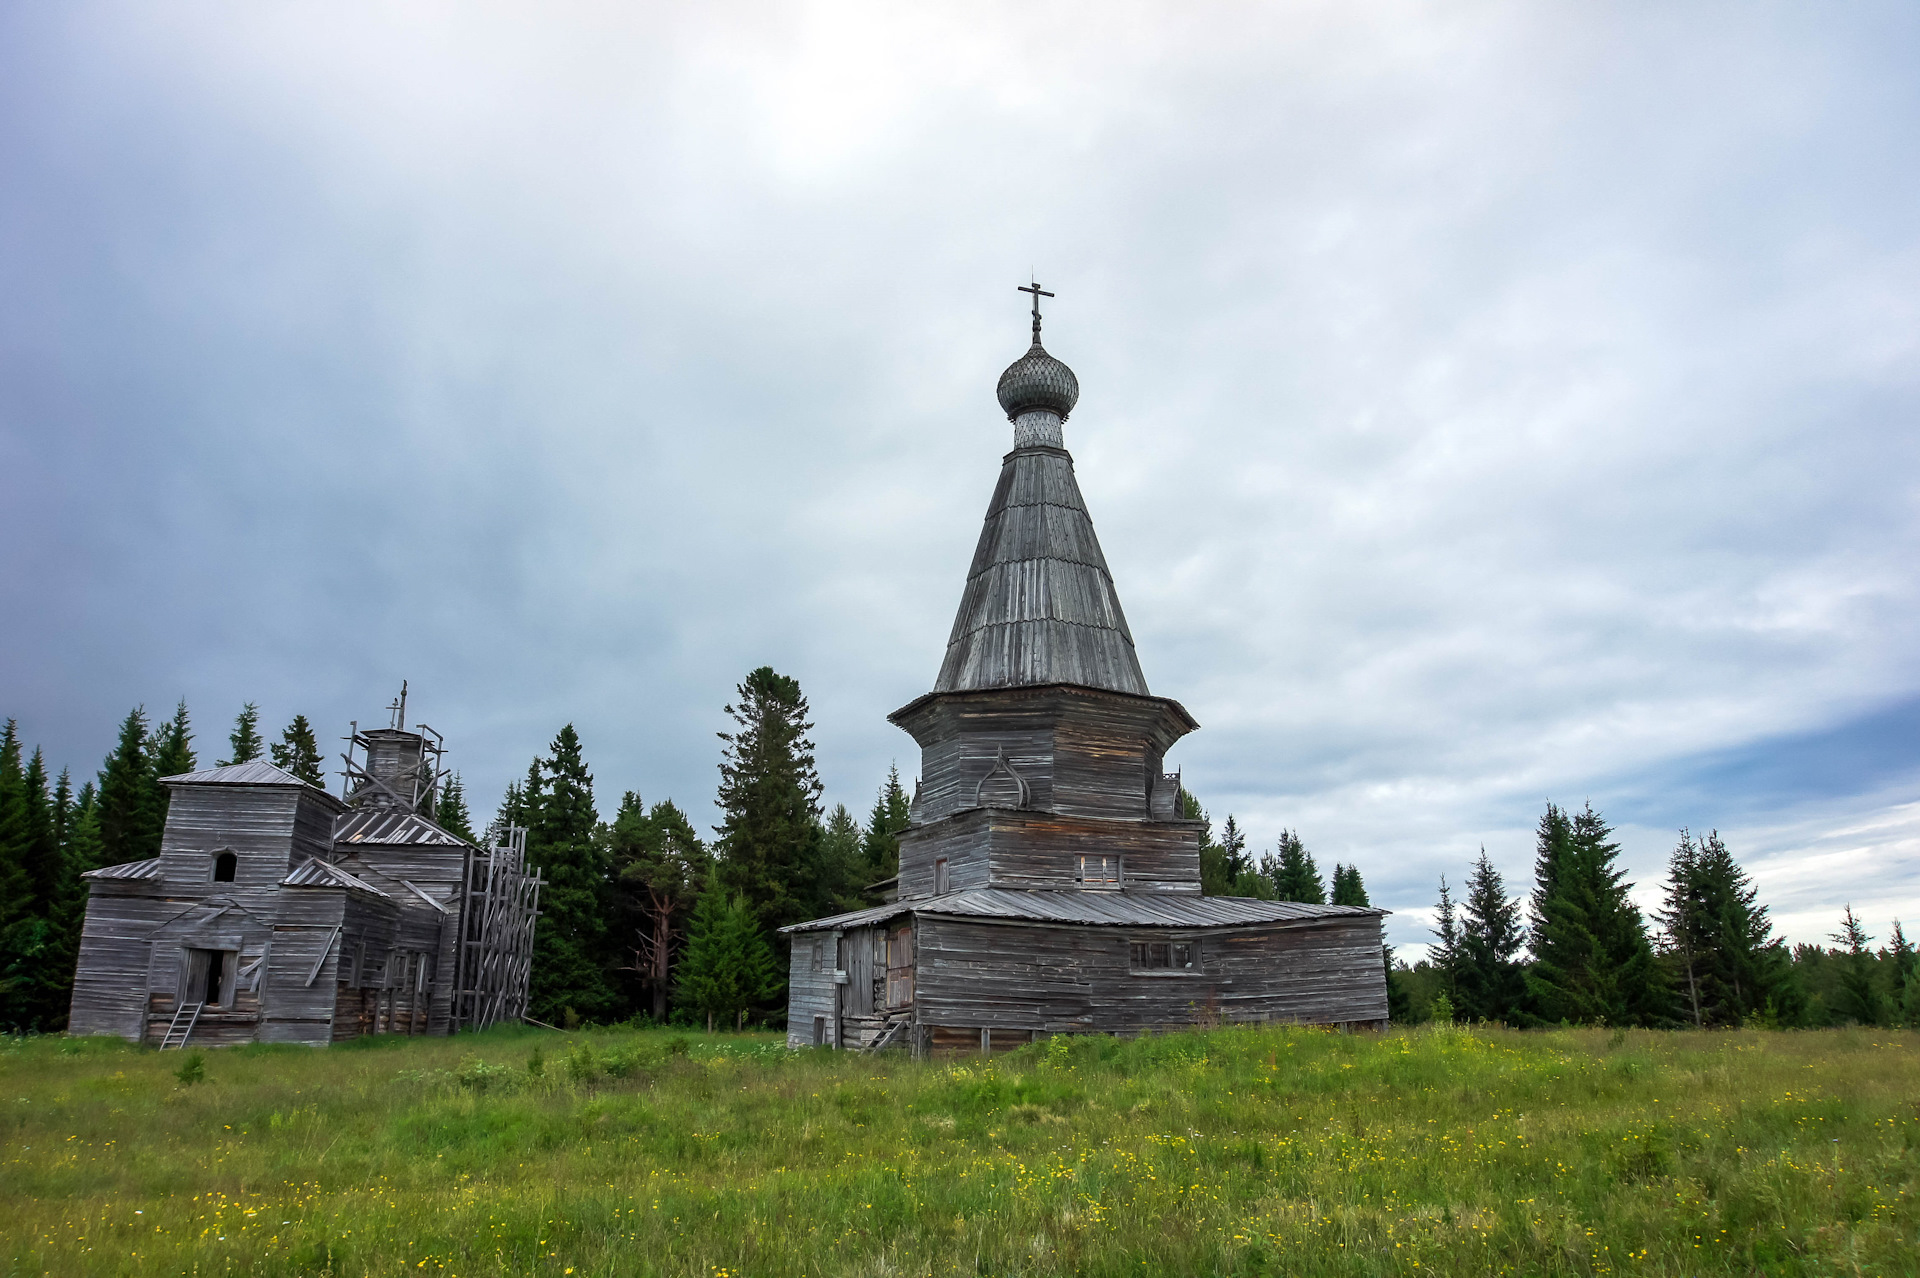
[450,810]
[1444,955]
[1348,888]
[881,843]
[570,948]
[728,968]
[40,848]
[840,871]
[129,801]
[769,797]
[1487,981]
[245,737]
[1903,978]
[1856,1000]
[1296,877]
[1726,964]
[299,753]
[1233,844]
[169,754]
[1592,961]
[16,891]
[1214,880]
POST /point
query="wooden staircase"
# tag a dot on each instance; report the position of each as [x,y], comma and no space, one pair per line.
[184,1019]
[895,1028]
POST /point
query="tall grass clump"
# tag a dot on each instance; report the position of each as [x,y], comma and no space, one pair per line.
[1237,1151]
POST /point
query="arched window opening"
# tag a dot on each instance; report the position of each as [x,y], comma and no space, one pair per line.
[223,866]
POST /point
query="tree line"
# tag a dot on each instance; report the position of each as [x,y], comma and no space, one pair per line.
[643,918]
[1577,950]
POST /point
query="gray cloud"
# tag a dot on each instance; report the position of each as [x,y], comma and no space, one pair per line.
[1482,404]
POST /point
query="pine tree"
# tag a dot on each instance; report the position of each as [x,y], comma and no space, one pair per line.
[728,968]
[888,821]
[1856,1001]
[1592,961]
[450,810]
[570,947]
[245,737]
[1297,878]
[1348,889]
[1487,981]
[129,802]
[659,865]
[769,795]
[299,753]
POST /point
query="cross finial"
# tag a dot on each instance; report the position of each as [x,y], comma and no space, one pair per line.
[1038,293]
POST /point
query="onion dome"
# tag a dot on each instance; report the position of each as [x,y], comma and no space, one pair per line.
[1038,381]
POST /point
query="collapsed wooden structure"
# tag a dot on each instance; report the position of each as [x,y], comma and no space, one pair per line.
[1049,881]
[279,913]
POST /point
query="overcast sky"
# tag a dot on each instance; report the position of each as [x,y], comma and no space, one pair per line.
[1482,404]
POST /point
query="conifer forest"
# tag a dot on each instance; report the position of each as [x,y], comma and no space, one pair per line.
[647,919]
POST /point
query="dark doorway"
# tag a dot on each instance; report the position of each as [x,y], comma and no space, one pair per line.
[209,977]
[223,867]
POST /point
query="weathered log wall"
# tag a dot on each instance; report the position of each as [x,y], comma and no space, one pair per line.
[1000,848]
[1066,979]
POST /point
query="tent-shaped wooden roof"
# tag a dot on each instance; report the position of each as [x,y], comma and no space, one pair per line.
[1039,605]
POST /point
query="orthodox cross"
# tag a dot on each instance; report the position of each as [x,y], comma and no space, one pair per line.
[1038,293]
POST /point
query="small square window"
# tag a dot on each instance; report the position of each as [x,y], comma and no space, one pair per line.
[1164,956]
[1101,870]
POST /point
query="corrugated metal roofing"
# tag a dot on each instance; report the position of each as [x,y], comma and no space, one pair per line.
[391,827]
[1116,909]
[149,869]
[313,872]
[259,772]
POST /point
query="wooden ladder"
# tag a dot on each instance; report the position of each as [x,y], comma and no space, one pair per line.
[887,1035]
[184,1020]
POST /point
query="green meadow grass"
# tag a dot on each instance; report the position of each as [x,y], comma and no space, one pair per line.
[1235,1151]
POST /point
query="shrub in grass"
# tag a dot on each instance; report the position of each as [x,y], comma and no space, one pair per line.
[536,1064]
[192,1070]
[477,1075]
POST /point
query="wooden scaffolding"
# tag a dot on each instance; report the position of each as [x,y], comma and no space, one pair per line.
[496,934]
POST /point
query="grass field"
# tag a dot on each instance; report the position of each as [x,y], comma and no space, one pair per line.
[1239,1151]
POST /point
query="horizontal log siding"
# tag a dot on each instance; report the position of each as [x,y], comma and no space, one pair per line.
[116,948]
[1063,979]
[294,1011]
[1080,751]
[255,822]
[993,847]
[810,993]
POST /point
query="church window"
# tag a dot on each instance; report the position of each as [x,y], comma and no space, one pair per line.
[940,877]
[1164,956]
[223,867]
[1100,870]
[818,946]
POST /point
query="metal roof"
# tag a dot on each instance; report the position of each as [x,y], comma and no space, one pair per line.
[313,872]
[1039,605]
[391,827]
[149,869]
[258,772]
[1115,909]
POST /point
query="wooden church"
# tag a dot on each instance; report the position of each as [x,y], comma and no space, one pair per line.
[279,913]
[1049,882]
